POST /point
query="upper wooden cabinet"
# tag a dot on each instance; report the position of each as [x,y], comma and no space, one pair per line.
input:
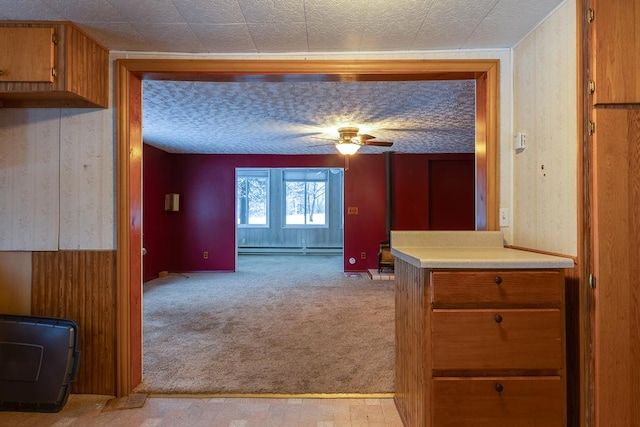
[26,54]
[51,64]
[615,51]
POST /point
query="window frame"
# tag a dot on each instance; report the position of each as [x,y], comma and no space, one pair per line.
[255,173]
[305,171]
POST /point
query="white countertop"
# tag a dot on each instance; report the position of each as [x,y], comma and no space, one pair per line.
[467,249]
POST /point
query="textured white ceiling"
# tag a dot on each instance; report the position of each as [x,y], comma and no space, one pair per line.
[255,117]
[259,26]
[290,117]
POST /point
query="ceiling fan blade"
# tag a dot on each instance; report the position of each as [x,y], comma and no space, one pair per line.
[378,143]
[365,137]
[326,139]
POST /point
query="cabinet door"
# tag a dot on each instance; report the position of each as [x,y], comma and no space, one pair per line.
[491,402]
[616,258]
[26,54]
[616,51]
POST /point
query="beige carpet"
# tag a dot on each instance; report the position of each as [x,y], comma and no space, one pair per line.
[280,324]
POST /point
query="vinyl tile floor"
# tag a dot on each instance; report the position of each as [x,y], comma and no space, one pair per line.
[87,410]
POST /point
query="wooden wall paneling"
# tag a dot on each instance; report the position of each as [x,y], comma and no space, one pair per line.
[572,334]
[86,67]
[15,282]
[411,330]
[616,231]
[80,285]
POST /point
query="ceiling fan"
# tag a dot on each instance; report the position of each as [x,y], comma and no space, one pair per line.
[350,141]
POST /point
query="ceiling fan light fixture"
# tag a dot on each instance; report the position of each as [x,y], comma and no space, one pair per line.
[347,148]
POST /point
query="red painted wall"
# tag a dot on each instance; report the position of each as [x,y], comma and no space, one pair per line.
[433,192]
[158,179]
[410,191]
[206,221]
[451,199]
[364,189]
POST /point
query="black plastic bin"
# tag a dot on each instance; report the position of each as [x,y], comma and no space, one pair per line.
[38,362]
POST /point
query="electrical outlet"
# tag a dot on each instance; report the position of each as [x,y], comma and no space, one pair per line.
[205,255]
[363,255]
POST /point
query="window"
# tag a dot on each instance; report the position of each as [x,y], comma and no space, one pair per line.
[305,197]
[252,197]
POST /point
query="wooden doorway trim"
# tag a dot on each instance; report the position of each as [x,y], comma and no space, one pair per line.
[131,72]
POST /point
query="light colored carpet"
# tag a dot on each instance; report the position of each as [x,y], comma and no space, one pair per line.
[280,324]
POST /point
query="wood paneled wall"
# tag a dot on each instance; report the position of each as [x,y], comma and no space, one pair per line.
[412,404]
[80,285]
[85,67]
[573,299]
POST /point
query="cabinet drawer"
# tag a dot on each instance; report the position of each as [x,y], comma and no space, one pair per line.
[497,339]
[475,402]
[538,288]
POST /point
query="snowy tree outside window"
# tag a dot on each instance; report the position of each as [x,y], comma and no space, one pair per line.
[252,197]
[305,193]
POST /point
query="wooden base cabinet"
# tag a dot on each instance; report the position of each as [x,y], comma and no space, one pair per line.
[480,347]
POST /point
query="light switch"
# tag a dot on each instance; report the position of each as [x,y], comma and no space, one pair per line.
[504,217]
[520,142]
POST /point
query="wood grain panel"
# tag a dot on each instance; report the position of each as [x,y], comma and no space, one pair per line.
[86,67]
[135,233]
[34,62]
[542,288]
[616,189]
[412,361]
[520,339]
[80,285]
[574,310]
[523,402]
[483,162]
[616,51]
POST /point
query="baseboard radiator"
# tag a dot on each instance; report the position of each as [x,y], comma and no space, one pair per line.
[288,250]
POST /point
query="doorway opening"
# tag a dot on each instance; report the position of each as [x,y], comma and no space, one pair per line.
[131,72]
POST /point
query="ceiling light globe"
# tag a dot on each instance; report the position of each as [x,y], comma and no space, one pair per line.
[347,148]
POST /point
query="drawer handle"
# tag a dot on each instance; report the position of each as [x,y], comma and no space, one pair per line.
[499,387]
[498,280]
[498,318]
[1,72]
